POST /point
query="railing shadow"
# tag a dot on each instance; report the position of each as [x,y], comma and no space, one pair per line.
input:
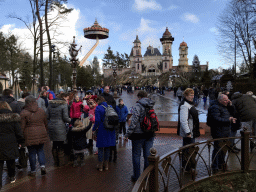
[170,173]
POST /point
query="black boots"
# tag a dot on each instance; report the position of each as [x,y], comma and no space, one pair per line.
[55,157]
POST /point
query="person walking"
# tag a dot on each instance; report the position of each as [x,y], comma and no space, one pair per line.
[10,138]
[140,140]
[57,115]
[122,112]
[105,138]
[21,101]
[219,120]
[34,127]
[179,93]
[188,125]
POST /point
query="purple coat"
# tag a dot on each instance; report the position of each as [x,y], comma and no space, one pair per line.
[105,138]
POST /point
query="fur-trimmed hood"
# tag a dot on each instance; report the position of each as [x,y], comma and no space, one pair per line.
[9,117]
[57,102]
[78,128]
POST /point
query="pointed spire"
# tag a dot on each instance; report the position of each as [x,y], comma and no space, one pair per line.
[137,39]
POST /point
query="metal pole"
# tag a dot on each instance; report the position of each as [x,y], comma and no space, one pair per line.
[235,52]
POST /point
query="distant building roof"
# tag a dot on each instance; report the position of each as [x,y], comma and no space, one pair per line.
[152,51]
[136,40]
[183,44]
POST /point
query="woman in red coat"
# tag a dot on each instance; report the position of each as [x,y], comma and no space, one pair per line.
[75,110]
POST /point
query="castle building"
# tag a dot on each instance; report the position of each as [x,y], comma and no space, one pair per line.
[153,63]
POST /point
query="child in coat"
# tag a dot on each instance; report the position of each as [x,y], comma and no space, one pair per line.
[76,109]
[122,112]
[78,134]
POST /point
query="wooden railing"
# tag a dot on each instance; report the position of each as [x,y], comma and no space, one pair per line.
[165,173]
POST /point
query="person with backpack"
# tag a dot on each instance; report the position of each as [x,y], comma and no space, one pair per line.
[188,124]
[105,136]
[137,132]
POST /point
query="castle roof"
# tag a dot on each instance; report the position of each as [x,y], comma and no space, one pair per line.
[149,51]
[183,44]
[167,33]
[136,40]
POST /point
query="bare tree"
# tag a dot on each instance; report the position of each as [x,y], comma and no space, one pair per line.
[236,30]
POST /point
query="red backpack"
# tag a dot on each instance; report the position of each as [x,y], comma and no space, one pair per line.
[150,121]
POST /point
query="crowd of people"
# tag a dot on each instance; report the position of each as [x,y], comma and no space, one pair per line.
[74,124]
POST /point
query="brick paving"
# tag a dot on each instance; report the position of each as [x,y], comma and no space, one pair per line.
[117,178]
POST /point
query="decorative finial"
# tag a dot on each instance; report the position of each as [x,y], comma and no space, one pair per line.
[183,38]
[153,151]
[136,32]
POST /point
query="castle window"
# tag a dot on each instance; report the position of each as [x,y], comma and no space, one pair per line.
[165,66]
[138,66]
[138,59]
[165,58]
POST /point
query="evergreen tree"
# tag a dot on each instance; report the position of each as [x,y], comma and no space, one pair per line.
[109,58]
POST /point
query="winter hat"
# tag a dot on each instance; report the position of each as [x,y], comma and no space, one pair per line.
[92,99]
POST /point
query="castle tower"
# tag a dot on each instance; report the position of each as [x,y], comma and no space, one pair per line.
[166,41]
[183,61]
[137,57]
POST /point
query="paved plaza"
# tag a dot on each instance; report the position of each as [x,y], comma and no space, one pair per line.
[117,178]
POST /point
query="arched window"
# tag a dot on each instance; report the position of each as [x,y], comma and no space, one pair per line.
[165,65]
[138,66]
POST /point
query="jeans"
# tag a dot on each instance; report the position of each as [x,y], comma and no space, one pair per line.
[103,152]
[33,151]
[10,167]
[137,145]
[218,157]
[186,141]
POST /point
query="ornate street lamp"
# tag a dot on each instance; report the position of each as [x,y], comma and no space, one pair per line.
[74,61]
[114,67]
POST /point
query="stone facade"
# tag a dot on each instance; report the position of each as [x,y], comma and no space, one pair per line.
[153,63]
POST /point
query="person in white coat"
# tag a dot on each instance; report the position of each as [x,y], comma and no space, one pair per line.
[188,122]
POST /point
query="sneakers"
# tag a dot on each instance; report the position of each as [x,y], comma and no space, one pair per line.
[43,171]
[12,179]
[100,167]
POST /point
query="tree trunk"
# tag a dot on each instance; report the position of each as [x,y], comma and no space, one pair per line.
[41,44]
[50,46]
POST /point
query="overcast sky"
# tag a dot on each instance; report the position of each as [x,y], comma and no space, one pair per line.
[193,20]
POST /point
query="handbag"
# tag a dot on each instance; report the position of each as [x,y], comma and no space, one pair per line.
[23,157]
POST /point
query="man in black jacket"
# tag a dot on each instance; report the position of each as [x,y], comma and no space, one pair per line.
[109,98]
[220,128]
[8,97]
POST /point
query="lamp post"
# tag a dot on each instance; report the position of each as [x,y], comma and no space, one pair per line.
[114,67]
[51,84]
[74,61]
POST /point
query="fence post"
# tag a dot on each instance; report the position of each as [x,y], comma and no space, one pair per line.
[245,151]
[153,178]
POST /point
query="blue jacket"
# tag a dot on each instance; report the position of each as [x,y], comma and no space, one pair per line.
[105,138]
[219,114]
[122,112]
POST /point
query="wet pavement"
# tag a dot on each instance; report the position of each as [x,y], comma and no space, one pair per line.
[117,178]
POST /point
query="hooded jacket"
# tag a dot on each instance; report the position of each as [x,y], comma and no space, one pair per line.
[57,115]
[134,131]
[12,102]
[10,135]
[34,124]
[75,109]
[245,106]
